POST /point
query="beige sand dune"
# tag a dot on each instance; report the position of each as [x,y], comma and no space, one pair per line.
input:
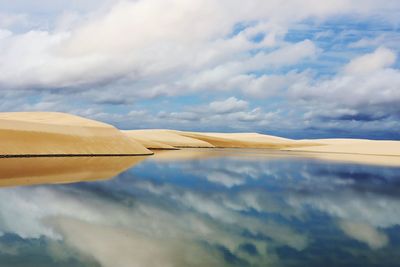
[29,171]
[349,150]
[353,146]
[52,133]
[168,137]
[346,150]
[138,137]
[204,140]
[246,140]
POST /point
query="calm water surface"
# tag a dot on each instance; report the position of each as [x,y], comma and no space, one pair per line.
[199,208]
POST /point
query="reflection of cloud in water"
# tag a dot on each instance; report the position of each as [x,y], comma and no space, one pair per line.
[184,214]
[41,212]
[358,195]
[118,246]
[365,233]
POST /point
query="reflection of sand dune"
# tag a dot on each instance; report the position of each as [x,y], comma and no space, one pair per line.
[49,133]
[256,154]
[246,154]
[29,171]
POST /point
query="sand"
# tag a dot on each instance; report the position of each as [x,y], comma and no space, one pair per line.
[246,140]
[345,150]
[168,137]
[354,150]
[153,145]
[354,146]
[54,170]
[52,133]
[181,139]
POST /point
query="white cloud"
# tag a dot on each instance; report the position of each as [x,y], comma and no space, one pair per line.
[364,96]
[155,39]
[113,52]
[10,20]
[369,63]
[229,105]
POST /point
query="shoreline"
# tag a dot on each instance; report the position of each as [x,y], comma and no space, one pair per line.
[73,155]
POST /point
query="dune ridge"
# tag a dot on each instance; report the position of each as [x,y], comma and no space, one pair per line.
[169,138]
[354,146]
[61,134]
[347,150]
[247,140]
[53,133]
[147,143]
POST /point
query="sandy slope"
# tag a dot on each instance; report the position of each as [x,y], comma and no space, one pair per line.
[49,133]
[255,140]
[168,137]
[354,146]
[29,171]
[352,150]
[138,137]
[246,140]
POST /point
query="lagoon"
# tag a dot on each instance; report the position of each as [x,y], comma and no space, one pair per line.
[198,207]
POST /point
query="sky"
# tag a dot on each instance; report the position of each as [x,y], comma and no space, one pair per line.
[295,68]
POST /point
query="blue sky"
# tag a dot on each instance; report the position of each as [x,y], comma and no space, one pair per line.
[293,68]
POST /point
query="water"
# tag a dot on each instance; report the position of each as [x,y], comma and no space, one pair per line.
[199,208]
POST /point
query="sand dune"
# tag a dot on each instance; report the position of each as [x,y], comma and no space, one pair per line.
[255,140]
[148,143]
[252,154]
[246,140]
[51,133]
[168,137]
[350,150]
[208,140]
[353,146]
[29,171]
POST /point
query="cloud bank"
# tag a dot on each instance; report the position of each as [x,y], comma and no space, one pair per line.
[295,58]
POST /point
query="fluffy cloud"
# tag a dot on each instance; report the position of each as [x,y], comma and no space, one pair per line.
[143,39]
[100,54]
[363,95]
[369,63]
[229,105]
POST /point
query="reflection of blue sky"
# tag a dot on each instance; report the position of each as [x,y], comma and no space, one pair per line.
[261,212]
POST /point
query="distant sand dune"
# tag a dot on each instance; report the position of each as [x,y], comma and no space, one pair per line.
[351,150]
[246,140]
[353,146]
[51,133]
[168,137]
[150,144]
